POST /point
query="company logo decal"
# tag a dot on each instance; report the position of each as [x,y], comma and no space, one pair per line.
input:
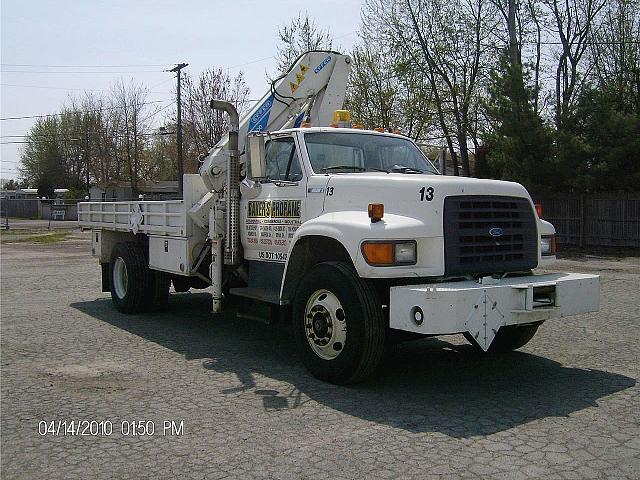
[496,232]
[323,64]
[260,119]
[274,209]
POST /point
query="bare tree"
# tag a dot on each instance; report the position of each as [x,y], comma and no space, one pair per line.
[130,114]
[300,35]
[615,52]
[447,40]
[202,126]
[574,22]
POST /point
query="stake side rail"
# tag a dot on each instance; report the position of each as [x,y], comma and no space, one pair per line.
[150,217]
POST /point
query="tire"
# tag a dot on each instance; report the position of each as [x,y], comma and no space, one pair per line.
[508,338]
[134,287]
[159,299]
[329,296]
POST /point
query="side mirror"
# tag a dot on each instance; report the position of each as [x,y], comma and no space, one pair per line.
[257,160]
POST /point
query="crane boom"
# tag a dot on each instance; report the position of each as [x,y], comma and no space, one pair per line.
[311,90]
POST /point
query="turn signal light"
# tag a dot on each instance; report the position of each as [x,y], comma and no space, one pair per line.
[378,253]
[383,253]
[376,212]
[539,209]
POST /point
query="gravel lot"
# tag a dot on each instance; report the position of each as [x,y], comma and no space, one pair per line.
[565,406]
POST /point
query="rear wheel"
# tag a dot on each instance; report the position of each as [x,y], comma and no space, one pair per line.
[134,287]
[338,324]
[508,338]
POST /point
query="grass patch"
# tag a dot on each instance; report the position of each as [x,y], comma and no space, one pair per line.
[40,238]
[50,238]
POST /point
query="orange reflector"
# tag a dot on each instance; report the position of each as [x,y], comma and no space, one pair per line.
[376,211]
[358,126]
[379,129]
[539,209]
[378,253]
[554,245]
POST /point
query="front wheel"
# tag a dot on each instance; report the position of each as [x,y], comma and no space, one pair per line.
[338,324]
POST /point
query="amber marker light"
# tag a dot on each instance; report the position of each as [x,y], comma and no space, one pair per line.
[376,212]
[376,253]
[539,209]
[387,253]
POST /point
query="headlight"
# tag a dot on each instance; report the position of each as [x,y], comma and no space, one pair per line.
[383,253]
[548,245]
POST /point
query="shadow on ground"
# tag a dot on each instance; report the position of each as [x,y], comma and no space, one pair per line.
[425,385]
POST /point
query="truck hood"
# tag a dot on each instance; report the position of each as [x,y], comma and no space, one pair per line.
[403,194]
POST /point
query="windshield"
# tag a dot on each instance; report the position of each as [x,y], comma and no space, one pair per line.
[362,152]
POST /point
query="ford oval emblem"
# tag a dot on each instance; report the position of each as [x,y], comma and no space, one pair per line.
[496,232]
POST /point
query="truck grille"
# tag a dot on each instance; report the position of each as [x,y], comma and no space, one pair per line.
[486,234]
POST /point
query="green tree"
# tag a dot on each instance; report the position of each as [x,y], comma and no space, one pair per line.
[599,150]
[520,145]
[42,158]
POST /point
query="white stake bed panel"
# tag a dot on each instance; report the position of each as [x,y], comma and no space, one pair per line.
[167,217]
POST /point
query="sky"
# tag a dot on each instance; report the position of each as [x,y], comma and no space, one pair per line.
[51,49]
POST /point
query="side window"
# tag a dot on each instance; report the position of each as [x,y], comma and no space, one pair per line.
[282,160]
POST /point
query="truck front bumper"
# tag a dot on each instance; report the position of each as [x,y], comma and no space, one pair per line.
[482,307]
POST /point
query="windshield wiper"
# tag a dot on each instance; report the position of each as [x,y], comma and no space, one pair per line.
[354,168]
[405,169]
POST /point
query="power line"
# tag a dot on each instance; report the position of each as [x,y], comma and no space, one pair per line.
[49,88]
[84,66]
[345,35]
[249,62]
[80,71]
[81,111]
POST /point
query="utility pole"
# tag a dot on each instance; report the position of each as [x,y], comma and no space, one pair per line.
[177,69]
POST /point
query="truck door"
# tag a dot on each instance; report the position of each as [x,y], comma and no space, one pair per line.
[269,221]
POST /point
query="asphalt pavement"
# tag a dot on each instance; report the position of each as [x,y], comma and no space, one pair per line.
[88,392]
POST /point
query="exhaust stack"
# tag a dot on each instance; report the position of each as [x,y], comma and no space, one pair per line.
[232,233]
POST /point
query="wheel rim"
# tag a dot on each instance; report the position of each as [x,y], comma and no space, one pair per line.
[325,324]
[120,277]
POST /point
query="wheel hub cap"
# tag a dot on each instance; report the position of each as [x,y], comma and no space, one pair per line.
[120,277]
[325,324]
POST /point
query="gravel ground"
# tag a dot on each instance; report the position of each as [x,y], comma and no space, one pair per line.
[565,406]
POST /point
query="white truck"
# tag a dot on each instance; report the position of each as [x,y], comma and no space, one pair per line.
[352,233]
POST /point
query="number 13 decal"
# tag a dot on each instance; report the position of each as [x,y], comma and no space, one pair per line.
[426,193]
